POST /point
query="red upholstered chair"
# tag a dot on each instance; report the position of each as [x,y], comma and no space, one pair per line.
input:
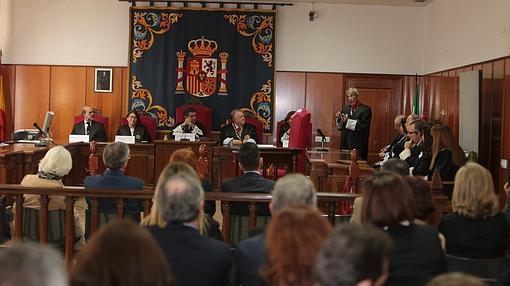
[204,115]
[301,130]
[98,118]
[259,127]
[146,120]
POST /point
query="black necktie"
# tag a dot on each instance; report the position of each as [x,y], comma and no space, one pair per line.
[88,127]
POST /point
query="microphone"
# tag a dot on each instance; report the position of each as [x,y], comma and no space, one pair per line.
[319,131]
[38,128]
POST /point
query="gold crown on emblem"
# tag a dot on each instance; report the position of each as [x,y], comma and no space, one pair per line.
[202,47]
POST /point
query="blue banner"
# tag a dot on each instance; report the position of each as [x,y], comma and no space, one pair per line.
[223,58]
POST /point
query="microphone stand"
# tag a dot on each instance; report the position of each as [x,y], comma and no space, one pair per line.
[322,149]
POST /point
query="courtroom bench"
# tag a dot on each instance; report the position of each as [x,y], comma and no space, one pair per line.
[328,202]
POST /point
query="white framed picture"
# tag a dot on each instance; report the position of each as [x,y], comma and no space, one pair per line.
[103,80]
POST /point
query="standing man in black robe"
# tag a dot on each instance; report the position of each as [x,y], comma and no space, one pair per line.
[354,123]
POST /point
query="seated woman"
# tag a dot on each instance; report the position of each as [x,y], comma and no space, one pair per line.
[134,128]
[285,127]
[475,228]
[447,155]
[294,239]
[52,168]
[388,203]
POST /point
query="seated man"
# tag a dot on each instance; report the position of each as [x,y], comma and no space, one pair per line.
[238,131]
[289,191]
[89,126]
[115,159]
[354,255]
[190,124]
[397,145]
[195,259]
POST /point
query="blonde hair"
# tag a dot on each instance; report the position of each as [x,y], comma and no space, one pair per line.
[57,161]
[172,169]
[473,192]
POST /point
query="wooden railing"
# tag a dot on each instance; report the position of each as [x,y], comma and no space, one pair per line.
[329,205]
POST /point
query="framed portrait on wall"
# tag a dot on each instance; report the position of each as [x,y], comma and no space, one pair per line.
[103,80]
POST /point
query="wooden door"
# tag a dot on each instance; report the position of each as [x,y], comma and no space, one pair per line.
[384,95]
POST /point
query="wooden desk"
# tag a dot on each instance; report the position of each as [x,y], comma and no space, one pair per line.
[16,160]
[164,149]
[276,159]
[328,170]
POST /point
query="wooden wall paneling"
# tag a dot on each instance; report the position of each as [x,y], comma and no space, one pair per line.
[324,97]
[110,103]
[289,95]
[452,104]
[9,81]
[66,99]
[496,120]
[407,94]
[384,95]
[125,91]
[505,129]
[32,92]
[485,116]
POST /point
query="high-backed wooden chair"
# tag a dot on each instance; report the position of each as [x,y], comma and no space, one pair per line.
[97,117]
[259,128]
[146,120]
[204,115]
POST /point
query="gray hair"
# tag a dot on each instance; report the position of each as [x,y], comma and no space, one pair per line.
[293,189]
[351,254]
[32,264]
[179,198]
[352,91]
[115,155]
[57,161]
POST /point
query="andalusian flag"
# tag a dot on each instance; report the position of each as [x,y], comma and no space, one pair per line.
[2,103]
[416,100]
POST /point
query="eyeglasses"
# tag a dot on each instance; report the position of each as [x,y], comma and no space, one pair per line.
[132,116]
[413,132]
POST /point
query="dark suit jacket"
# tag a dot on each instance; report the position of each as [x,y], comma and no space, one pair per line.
[248,183]
[250,257]
[96,133]
[248,129]
[475,238]
[195,259]
[141,133]
[357,139]
[396,146]
[417,255]
[115,179]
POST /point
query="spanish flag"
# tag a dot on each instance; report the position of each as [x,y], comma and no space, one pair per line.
[2,103]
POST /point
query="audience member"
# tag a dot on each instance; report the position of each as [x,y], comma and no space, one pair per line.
[30,264]
[475,228]
[251,181]
[121,253]
[456,279]
[294,239]
[190,124]
[425,206]
[55,164]
[206,224]
[289,191]
[394,165]
[447,155]
[238,131]
[354,255]
[195,259]
[389,204]
[134,128]
[89,126]
[285,127]
[115,159]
